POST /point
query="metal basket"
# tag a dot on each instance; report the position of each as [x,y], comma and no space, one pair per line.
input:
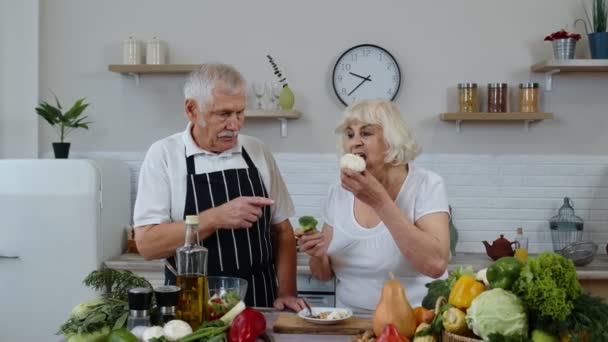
[562,238]
[566,228]
[449,337]
[581,253]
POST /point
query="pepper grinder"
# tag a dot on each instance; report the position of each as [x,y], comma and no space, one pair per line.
[166,299]
[140,300]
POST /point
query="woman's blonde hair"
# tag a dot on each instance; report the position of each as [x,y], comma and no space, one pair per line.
[402,147]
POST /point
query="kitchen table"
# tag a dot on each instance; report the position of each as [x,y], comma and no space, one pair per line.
[272,315]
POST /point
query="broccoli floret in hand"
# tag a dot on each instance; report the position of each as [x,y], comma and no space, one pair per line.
[308,224]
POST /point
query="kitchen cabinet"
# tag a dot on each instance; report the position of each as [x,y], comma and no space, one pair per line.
[151,270]
[136,70]
[319,293]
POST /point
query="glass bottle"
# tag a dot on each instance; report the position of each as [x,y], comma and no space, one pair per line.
[497,97]
[528,97]
[166,299]
[140,300]
[468,99]
[521,249]
[191,260]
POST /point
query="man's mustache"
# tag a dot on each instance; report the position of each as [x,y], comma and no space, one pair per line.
[228,134]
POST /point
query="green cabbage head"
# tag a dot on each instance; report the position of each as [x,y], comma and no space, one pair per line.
[497,311]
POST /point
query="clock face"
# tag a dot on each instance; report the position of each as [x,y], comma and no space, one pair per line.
[366,72]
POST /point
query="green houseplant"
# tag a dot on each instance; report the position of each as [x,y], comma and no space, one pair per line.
[597,21]
[286,97]
[65,122]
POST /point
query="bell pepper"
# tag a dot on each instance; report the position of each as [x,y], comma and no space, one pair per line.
[454,321]
[464,291]
[247,326]
[390,334]
[503,273]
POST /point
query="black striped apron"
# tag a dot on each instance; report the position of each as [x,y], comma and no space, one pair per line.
[243,253]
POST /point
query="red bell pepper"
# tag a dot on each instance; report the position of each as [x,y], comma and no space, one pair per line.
[390,334]
[247,326]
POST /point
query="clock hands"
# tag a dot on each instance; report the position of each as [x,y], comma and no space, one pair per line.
[364,80]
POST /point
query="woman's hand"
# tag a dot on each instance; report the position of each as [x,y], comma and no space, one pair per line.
[314,244]
[365,187]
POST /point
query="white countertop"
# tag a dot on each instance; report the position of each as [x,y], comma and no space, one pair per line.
[597,269]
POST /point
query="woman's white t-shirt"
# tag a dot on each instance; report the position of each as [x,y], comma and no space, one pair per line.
[362,258]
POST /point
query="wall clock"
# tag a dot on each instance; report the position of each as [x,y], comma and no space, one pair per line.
[366,71]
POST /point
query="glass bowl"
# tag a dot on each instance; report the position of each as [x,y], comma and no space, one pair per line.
[581,253]
[224,294]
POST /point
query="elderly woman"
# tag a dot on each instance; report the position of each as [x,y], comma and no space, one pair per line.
[392,217]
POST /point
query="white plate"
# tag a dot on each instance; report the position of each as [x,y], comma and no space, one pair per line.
[316,310]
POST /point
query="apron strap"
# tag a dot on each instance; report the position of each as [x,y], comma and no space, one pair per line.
[190,165]
[190,162]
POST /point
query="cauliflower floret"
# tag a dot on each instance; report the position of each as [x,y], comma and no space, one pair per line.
[337,314]
[353,162]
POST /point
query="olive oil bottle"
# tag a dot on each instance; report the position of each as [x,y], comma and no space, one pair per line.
[191,260]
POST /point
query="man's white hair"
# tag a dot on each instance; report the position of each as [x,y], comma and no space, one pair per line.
[201,82]
[402,147]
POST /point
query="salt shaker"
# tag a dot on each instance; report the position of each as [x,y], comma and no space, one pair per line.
[140,300]
[166,298]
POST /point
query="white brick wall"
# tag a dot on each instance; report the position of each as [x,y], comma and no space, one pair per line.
[489,194]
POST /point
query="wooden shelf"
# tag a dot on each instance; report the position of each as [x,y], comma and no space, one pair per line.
[572,65]
[483,116]
[526,118]
[175,69]
[153,68]
[553,66]
[272,114]
[281,115]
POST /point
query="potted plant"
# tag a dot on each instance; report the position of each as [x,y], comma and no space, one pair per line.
[65,122]
[598,37]
[286,97]
[564,43]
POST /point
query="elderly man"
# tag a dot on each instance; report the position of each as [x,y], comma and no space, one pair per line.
[231,182]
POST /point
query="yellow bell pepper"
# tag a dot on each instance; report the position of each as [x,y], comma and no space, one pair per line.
[464,291]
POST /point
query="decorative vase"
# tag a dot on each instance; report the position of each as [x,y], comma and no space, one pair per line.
[286,98]
[61,149]
[598,44]
[564,48]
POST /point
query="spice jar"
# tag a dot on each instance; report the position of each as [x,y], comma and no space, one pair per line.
[497,97]
[468,99]
[528,97]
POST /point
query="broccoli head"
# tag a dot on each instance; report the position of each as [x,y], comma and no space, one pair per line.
[308,224]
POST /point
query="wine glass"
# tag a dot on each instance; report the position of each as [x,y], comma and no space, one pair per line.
[276,92]
[259,90]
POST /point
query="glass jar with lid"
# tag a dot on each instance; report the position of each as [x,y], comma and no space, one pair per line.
[497,97]
[468,98]
[566,228]
[529,97]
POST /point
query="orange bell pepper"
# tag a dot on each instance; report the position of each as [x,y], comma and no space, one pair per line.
[464,291]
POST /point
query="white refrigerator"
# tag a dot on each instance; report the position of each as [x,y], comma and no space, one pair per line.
[59,220]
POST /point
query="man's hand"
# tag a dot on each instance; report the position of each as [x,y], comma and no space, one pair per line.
[241,212]
[289,302]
